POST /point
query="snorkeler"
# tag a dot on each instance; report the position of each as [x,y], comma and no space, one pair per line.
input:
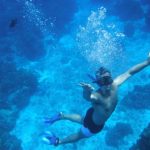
[103,100]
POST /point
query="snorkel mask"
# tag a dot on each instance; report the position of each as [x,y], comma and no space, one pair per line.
[102,77]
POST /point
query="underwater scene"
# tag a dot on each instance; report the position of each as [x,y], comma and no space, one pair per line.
[50,51]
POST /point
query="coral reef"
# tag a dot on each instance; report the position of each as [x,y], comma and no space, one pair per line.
[145,2]
[143,142]
[29,50]
[129,29]
[138,98]
[124,10]
[16,87]
[115,136]
[147,21]
[60,13]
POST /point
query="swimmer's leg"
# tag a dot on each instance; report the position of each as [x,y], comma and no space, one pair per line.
[61,116]
[72,117]
[72,138]
[51,139]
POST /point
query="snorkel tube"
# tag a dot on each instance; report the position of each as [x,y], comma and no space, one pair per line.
[91,77]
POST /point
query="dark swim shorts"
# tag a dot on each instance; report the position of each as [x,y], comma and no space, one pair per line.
[88,122]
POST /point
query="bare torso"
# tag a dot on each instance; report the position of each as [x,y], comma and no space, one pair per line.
[105,106]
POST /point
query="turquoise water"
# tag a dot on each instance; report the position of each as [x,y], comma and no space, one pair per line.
[48,47]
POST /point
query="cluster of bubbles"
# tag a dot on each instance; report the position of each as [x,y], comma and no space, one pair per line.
[36,17]
[98,40]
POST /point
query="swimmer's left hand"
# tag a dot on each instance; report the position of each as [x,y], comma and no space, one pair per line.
[86,86]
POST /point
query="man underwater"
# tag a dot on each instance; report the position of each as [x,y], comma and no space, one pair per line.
[104,101]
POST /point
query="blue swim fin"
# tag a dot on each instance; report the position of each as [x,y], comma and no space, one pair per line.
[53,119]
[50,138]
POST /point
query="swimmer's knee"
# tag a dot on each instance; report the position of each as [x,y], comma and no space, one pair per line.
[80,133]
[85,132]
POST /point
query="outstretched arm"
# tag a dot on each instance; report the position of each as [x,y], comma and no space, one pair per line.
[123,77]
[87,90]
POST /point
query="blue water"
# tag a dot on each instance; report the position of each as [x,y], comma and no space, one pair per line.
[48,47]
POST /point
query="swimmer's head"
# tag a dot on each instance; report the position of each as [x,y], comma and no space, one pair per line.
[103,77]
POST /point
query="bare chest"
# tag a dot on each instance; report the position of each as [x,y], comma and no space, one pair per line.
[106,104]
[104,107]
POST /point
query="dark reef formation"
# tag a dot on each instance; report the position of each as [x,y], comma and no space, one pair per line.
[129,29]
[102,2]
[61,13]
[21,34]
[115,136]
[128,11]
[16,88]
[144,141]
[145,2]
[124,10]
[139,98]
[13,23]
[147,21]
[28,29]
[31,51]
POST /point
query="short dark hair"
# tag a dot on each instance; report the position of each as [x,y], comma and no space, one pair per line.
[102,70]
[103,80]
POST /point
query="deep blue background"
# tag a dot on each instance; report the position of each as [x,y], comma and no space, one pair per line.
[44,53]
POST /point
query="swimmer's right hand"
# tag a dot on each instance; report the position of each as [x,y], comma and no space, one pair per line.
[86,86]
